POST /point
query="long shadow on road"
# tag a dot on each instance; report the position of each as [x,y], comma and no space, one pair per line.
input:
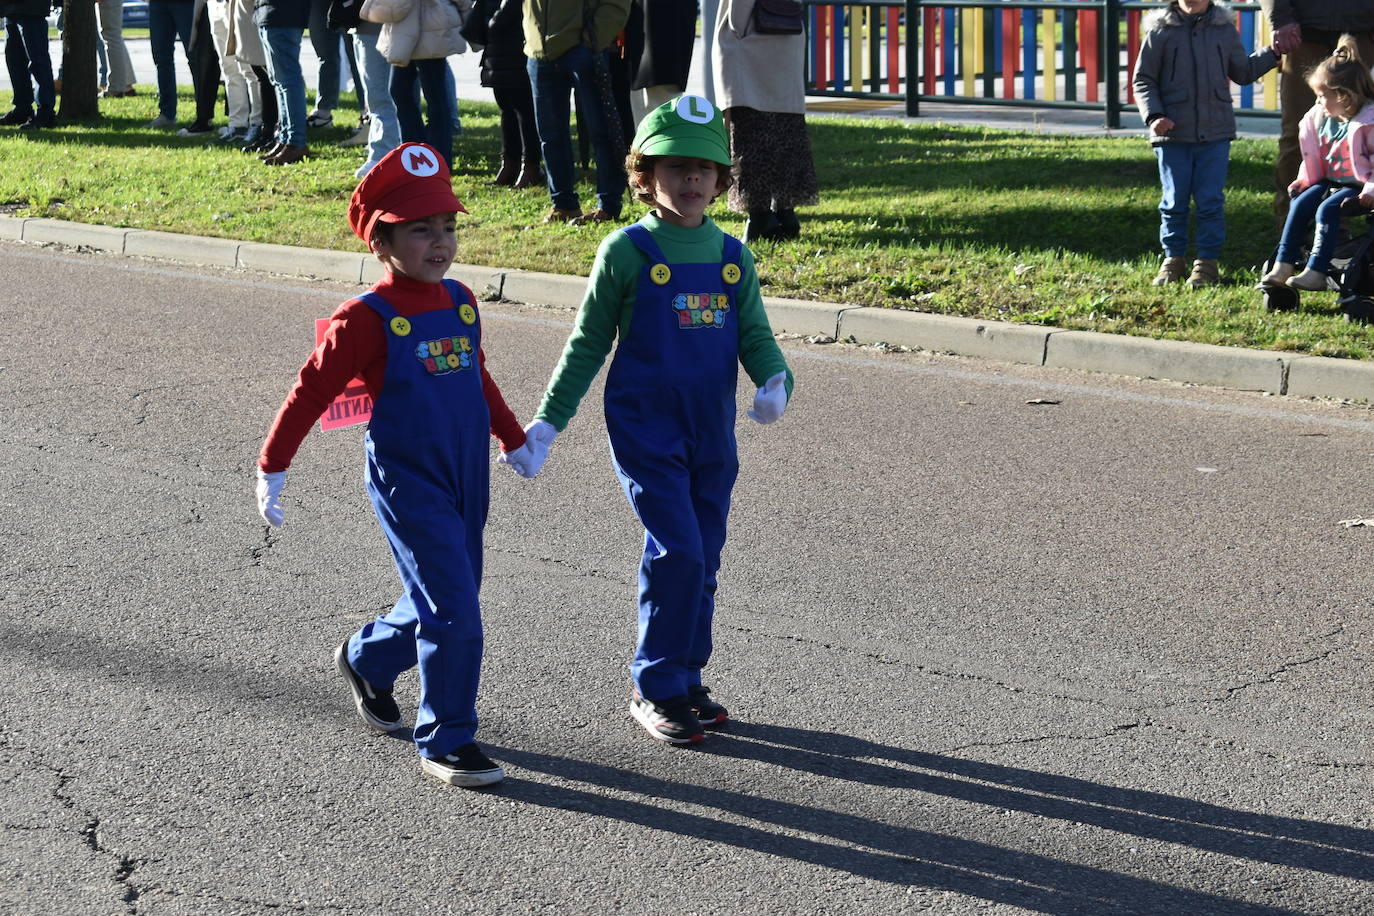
[1329,848]
[863,847]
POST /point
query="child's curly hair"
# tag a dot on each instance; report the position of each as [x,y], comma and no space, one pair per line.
[640,168]
[1344,75]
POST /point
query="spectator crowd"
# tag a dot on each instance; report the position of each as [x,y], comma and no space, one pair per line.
[606,62]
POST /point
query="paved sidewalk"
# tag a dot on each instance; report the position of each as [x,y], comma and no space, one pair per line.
[1225,367]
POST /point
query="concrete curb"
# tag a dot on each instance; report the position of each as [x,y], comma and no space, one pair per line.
[1203,364]
[1009,343]
[1222,367]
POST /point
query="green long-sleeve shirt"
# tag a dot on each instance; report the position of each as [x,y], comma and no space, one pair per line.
[610,300]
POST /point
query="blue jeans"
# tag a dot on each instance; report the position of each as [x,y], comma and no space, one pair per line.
[1314,202]
[168,22]
[551,81]
[430,74]
[384,131]
[26,53]
[1196,173]
[451,87]
[325,41]
[283,46]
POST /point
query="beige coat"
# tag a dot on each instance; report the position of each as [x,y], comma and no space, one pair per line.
[763,72]
[244,42]
[417,29]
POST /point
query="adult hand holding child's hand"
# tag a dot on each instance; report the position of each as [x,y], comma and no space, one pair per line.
[1287,38]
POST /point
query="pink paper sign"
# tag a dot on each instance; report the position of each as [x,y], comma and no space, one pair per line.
[351,407]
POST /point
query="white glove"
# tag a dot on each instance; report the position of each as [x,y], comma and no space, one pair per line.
[770,400]
[542,432]
[529,458]
[526,460]
[269,496]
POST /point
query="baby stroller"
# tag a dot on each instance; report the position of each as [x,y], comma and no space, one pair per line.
[1351,274]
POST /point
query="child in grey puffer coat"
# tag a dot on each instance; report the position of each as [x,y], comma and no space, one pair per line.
[1188,59]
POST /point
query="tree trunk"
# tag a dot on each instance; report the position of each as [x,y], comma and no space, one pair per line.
[79,36]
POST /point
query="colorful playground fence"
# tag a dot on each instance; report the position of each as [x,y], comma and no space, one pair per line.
[1029,53]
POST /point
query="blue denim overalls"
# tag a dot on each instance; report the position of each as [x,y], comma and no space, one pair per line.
[670,413]
[427,474]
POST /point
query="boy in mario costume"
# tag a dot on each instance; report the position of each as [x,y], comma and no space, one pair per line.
[683,299]
[416,340]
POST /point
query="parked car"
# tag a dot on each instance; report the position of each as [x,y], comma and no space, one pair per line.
[135,14]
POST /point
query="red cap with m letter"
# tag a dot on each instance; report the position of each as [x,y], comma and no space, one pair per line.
[410,182]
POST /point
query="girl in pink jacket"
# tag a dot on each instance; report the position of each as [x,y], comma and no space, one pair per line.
[1337,165]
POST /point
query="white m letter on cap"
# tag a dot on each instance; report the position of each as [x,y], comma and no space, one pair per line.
[419,162]
[696,109]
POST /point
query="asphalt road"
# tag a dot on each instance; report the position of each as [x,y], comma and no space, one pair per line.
[1105,655]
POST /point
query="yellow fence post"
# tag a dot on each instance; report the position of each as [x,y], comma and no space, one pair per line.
[1048,45]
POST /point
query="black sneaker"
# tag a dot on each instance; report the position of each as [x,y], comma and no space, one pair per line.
[375,707]
[467,766]
[670,720]
[40,120]
[708,711]
[15,116]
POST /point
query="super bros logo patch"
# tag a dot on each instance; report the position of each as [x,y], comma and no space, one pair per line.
[701,310]
[445,355]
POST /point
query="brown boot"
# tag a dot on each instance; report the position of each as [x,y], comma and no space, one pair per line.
[272,151]
[1204,273]
[505,175]
[288,155]
[531,175]
[595,216]
[562,216]
[1171,271]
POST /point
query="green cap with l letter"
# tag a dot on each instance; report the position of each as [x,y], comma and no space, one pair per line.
[688,125]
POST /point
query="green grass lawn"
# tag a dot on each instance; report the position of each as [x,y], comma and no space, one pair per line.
[1027,227]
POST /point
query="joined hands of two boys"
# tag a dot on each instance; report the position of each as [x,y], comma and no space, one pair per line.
[527,460]
[769,403]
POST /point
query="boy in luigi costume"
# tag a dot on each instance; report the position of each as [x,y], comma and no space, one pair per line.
[684,301]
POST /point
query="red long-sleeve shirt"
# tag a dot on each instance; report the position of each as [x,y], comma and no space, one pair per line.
[355,345]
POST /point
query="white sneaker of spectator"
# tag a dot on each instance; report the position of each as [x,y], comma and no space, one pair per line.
[359,136]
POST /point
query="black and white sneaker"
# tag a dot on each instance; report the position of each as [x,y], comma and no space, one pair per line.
[670,720]
[375,707]
[709,712]
[467,766]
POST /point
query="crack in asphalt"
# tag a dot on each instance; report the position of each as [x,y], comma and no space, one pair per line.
[90,835]
[1110,733]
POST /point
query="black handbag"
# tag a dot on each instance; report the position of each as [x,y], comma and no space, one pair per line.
[343,14]
[778,17]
